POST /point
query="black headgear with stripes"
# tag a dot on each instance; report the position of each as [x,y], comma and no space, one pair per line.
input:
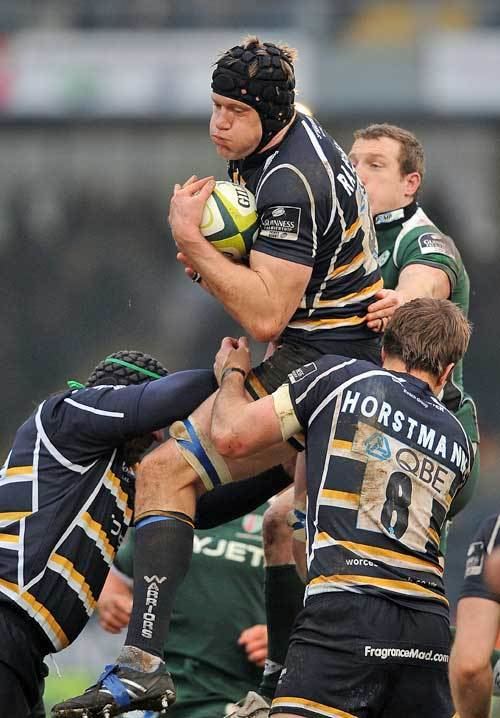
[126,367]
[255,74]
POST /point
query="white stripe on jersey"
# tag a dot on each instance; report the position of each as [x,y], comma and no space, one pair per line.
[52,449]
[320,376]
[493,537]
[328,170]
[75,580]
[419,219]
[266,165]
[34,485]
[23,478]
[333,428]
[309,194]
[5,465]
[20,558]
[92,410]
[339,390]
[76,520]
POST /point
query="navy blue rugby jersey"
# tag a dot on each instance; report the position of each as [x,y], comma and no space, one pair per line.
[486,539]
[66,496]
[313,211]
[384,460]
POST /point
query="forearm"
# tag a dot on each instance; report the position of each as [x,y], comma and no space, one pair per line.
[472,694]
[244,292]
[229,427]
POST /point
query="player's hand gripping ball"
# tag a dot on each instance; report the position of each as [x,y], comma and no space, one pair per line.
[230,221]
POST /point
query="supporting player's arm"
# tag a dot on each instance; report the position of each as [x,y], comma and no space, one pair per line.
[240,426]
[478,621]
[415,280]
[115,602]
[261,297]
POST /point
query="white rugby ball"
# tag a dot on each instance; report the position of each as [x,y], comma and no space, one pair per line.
[230,220]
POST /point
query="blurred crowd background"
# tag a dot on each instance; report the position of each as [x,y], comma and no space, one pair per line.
[104,104]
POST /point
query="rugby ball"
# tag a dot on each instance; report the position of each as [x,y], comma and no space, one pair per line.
[230,220]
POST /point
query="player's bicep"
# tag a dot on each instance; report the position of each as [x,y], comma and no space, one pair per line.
[422,280]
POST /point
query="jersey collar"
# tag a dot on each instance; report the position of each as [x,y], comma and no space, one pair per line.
[395,216]
[411,379]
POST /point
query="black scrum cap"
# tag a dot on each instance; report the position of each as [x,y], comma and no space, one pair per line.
[255,75]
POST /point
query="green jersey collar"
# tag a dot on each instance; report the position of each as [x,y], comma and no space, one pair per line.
[395,216]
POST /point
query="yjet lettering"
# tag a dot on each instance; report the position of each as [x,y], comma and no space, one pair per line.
[229,550]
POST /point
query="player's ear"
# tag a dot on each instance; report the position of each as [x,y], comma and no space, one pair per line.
[413,182]
[445,374]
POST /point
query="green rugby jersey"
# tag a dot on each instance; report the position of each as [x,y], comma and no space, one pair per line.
[407,236]
[221,595]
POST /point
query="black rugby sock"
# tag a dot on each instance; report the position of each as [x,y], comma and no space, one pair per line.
[284,595]
[163,550]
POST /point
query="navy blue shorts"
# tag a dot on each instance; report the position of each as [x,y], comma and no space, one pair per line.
[362,656]
[22,670]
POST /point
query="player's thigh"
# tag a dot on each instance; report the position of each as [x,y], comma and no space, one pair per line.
[420,691]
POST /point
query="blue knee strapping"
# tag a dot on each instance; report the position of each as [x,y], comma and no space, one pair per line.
[300,520]
[114,685]
[195,447]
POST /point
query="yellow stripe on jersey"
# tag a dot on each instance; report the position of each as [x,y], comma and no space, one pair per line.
[19,471]
[294,702]
[347,582]
[341,444]
[391,558]
[354,264]
[112,482]
[94,530]
[9,538]
[349,298]
[37,611]
[65,568]
[433,536]
[350,231]
[9,517]
[342,499]
[326,323]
